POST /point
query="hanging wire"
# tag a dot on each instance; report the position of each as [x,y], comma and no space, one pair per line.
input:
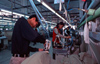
[40,15]
[37,14]
[68,4]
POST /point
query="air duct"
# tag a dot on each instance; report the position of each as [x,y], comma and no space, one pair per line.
[92,5]
[90,18]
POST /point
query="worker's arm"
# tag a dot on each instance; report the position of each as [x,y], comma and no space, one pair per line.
[29,34]
[31,49]
[56,31]
[40,39]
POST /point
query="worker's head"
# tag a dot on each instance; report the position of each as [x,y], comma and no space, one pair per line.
[60,25]
[33,21]
[68,27]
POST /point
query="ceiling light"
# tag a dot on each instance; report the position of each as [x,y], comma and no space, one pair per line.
[43,3]
[11,12]
[49,22]
[48,7]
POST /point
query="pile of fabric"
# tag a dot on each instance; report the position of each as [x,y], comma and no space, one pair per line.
[38,58]
[44,58]
[82,58]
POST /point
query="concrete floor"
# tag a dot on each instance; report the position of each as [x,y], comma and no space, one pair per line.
[5,56]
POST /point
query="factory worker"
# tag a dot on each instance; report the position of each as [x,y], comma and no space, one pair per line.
[23,34]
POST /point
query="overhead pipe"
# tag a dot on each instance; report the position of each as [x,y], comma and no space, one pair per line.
[90,18]
[91,5]
[40,15]
[93,1]
[68,4]
[46,4]
[34,8]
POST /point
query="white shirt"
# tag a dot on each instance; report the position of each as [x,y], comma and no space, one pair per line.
[60,35]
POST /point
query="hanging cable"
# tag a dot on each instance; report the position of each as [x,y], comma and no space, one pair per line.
[37,14]
[68,4]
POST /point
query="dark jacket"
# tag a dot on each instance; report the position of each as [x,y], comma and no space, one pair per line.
[23,34]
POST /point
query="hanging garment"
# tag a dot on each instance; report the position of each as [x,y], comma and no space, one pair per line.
[86,33]
[60,6]
[90,25]
[65,13]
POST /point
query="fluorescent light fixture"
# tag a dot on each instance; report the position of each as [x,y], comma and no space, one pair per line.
[39,0]
[49,22]
[43,3]
[27,16]
[58,15]
[5,21]
[18,14]
[5,11]
[48,7]
[13,12]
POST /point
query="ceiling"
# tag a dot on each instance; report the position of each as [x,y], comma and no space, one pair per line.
[51,16]
[24,7]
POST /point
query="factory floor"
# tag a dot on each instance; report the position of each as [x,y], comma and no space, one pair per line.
[5,56]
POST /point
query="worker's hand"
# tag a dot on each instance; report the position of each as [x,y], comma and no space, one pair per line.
[68,37]
[86,11]
[47,44]
[40,49]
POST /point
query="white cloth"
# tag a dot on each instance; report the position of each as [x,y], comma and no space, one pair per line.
[56,31]
[90,25]
[38,58]
[86,34]
[48,44]
[65,13]
[60,6]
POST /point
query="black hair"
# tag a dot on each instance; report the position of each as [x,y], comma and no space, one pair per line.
[38,24]
[36,19]
[61,23]
[33,16]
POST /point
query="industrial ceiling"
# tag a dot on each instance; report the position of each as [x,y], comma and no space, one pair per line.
[24,7]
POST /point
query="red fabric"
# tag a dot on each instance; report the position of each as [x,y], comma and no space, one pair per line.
[54,36]
[84,0]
